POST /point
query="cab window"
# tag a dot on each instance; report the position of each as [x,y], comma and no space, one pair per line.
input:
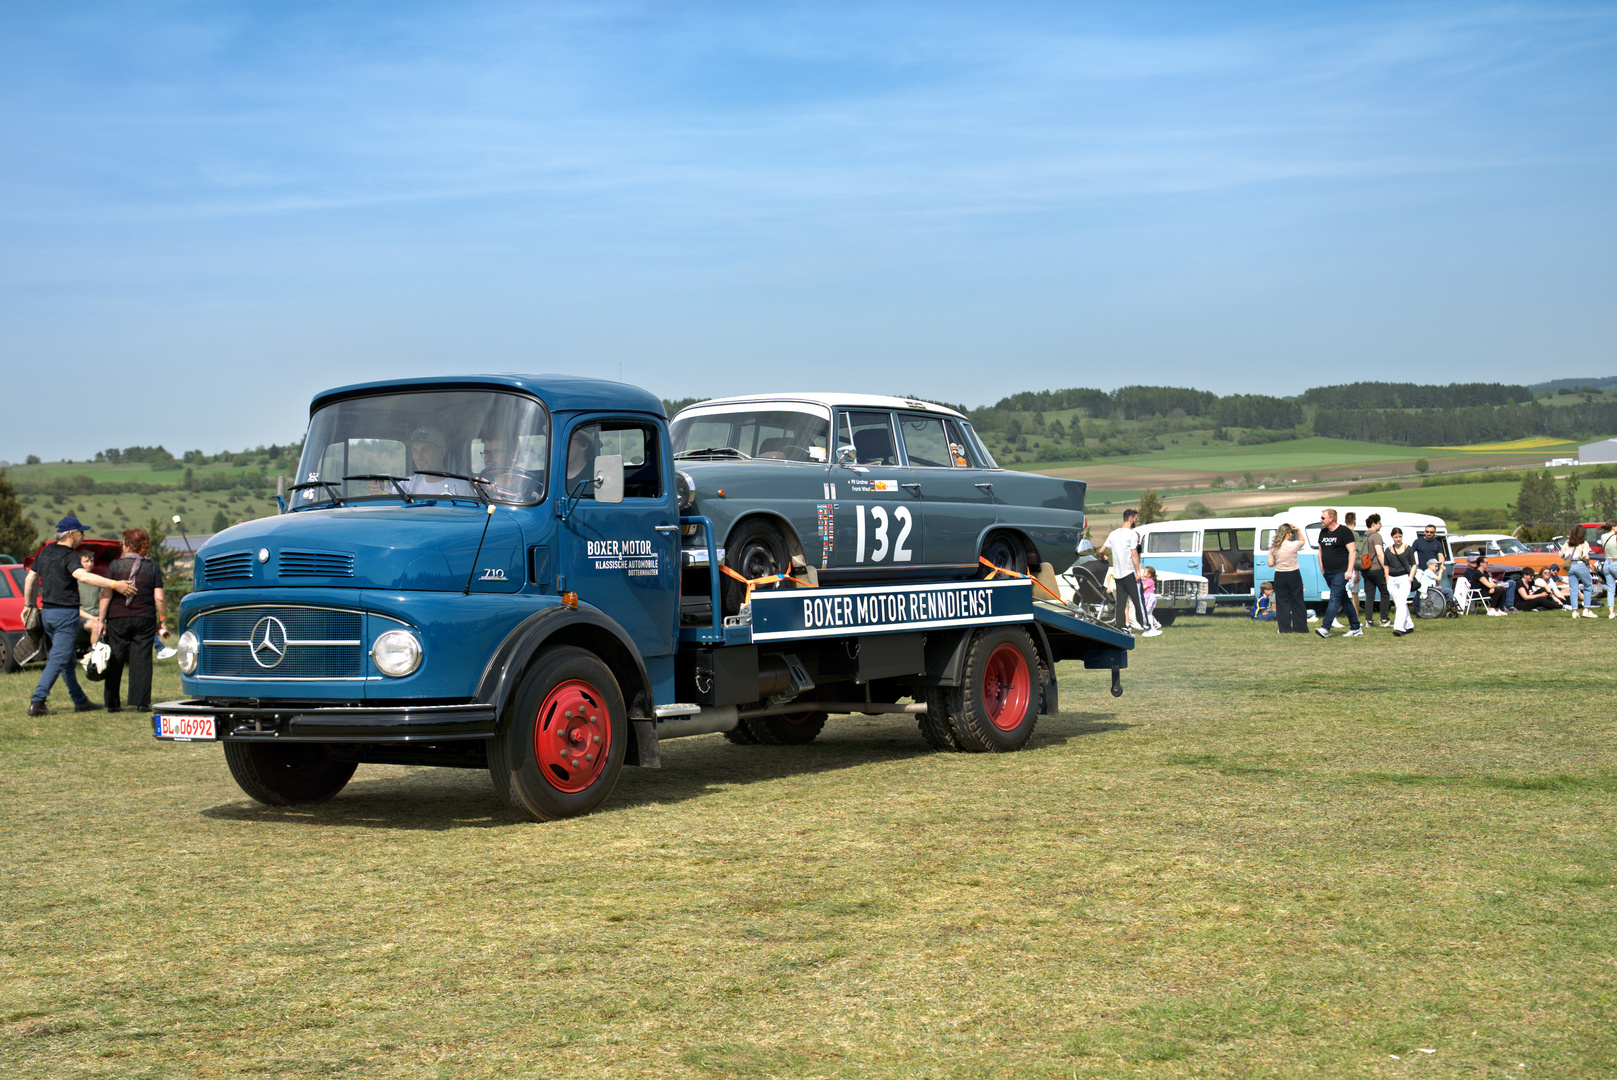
[635,442]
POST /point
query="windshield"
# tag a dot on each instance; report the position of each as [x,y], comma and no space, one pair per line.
[482,445]
[1512,546]
[785,431]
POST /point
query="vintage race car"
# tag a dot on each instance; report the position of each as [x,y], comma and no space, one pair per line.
[1501,550]
[853,488]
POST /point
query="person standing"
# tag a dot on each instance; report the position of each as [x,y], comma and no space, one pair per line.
[133,622]
[1400,561]
[1377,600]
[1576,553]
[1428,547]
[1283,550]
[1123,546]
[1610,549]
[55,578]
[1338,548]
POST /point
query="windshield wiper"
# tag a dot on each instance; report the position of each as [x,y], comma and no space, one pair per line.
[396,481]
[336,492]
[714,451]
[471,482]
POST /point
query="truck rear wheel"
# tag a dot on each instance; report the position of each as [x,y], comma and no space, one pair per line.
[937,723]
[561,746]
[286,774]
[997,704]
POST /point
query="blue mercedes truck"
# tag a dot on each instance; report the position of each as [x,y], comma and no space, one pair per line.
[495,572]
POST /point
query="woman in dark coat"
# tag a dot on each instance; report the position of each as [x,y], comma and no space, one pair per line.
[132,623]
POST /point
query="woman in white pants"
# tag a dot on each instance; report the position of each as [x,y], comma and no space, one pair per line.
[1400,561]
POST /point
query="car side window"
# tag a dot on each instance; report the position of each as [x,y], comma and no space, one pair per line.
[871,436]
[927,443]
[5,586]
[1158,543]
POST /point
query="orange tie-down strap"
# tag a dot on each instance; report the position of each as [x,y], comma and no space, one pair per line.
[766,579]
[1013,573]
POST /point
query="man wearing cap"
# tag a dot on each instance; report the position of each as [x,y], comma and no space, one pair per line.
[427,451]
[55,577]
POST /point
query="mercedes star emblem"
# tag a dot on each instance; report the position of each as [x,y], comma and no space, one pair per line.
[268,642]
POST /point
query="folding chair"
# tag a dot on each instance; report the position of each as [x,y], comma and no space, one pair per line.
[1466,601]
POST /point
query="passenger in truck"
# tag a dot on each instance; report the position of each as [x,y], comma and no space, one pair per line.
[429,478]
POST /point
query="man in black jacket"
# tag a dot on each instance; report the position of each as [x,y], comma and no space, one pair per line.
[55,578]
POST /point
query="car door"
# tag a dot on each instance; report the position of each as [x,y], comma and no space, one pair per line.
[622,557]
[1174,550]
[875,499]
[957,508]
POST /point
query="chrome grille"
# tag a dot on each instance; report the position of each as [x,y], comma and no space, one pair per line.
[316,564]
[302,643]
[1187,589]
[237,564]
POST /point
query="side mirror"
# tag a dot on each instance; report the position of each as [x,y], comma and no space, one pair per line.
[609,478]
[847,455]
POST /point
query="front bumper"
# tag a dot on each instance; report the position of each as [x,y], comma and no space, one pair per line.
[316,723]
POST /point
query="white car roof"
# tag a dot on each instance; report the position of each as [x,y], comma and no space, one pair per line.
[831,401]
[1463,537]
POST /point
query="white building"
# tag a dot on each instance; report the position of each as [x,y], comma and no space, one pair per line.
[1603,451]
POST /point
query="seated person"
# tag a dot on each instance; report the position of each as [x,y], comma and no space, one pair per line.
[1552,582]
[1431,577]
[427,451]
[1531,595]
[505,480]
[89,600]
[581,452]
[1265,606]
[1501,595]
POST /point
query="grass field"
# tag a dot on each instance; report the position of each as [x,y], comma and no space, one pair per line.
[1415,499]
[1273,857]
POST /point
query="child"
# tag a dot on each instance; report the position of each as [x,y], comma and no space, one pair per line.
[1148,592]
[1265,607]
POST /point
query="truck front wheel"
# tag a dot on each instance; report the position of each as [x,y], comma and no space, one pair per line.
[560,748]
[997,703]
[285,774]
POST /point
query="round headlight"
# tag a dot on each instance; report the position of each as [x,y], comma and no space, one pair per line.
[188,647]
[396,653]
[684,489]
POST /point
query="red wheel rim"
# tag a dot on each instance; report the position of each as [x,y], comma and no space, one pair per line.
[1007,685]
[572,736]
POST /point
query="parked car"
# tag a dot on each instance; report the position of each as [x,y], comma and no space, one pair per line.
[1501,550]
[17,646]
[851,488]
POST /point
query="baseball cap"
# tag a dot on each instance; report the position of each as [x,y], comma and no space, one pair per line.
[70,524]
[426,435]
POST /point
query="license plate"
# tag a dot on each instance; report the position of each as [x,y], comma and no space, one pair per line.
[184,728]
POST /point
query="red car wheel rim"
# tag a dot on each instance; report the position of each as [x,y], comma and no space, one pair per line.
[572,736]
[1007,685]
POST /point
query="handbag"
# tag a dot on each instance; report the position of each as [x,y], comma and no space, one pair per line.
[30,618]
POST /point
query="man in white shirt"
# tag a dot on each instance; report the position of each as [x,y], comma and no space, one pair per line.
[1123,545]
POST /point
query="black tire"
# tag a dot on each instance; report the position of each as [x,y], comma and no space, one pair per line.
[741,735]
[755,548]
[1166,618]
[562,740]
[6,665]
[937,724]
[286,774]
[788,729]
[997,704]
[1006,551]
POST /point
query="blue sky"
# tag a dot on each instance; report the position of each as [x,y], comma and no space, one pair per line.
[211,211]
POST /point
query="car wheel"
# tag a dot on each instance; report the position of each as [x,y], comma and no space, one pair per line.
[1005,551]
[755,549]
[7,643]
[996,705]
[286,774]
[561,745]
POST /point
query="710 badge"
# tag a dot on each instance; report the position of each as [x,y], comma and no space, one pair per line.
[184,728]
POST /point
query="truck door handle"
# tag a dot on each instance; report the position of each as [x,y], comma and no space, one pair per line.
[666,528]
[917,487]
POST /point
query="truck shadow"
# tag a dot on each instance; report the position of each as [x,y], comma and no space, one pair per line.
[434,799]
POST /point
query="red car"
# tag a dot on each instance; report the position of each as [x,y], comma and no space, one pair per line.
[17,646]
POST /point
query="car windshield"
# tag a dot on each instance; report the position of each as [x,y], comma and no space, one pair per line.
[785,431]
[1512,546]
[481,445]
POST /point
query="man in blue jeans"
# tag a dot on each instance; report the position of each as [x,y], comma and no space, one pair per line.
[55,578]
[1338,550]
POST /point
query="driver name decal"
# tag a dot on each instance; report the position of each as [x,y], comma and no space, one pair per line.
[636,558]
